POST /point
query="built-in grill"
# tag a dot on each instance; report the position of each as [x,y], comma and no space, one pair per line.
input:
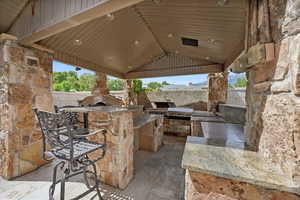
[163,104]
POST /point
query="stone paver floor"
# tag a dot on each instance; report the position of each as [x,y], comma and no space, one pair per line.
[158,176]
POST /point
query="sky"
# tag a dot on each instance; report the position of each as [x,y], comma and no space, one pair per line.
[178,80]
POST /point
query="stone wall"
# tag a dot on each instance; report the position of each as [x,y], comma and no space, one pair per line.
[25,82]
[116,168]
[217,90]
[180,97]
[273,100]
[198,185]
[100,85]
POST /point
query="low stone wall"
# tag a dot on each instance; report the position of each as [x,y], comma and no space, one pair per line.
[180,97]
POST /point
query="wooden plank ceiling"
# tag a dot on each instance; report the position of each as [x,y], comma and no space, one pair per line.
[145,39]
[9,11]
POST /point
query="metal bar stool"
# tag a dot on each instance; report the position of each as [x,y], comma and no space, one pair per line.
[71,149]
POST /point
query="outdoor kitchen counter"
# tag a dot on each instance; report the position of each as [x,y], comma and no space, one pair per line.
[116,168]
[234,164]
[104,109]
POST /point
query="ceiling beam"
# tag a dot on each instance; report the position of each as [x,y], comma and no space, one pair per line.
[182,70]
[52,17]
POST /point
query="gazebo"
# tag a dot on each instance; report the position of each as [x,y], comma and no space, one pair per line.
[132,39]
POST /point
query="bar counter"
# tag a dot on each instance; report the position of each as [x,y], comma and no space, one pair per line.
[116,168]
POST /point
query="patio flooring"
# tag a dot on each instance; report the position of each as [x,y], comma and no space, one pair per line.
[158,176]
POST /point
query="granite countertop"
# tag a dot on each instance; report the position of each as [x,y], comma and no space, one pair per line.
[181,112]
[236,164]
[144,119]
[106,109]
[208,119]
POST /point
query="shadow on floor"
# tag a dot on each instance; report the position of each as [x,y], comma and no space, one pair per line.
[158,176]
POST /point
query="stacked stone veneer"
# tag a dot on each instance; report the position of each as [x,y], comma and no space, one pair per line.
[217,90]
[23,85]
[100,85]
[198,185]
[150,135]
[129,95]
[273,92]
[116,168]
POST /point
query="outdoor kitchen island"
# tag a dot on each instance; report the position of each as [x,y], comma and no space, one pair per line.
[116,168]
[235,173]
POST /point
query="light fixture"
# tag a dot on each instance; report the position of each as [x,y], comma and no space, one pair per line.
[176,52]
[129,67]
[156,1]
[207,58]
[77,42]
[136,42]
[110,16]
[222,2]
[170,35]
[211,40]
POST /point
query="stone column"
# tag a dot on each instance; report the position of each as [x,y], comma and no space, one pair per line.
[217,90]
[25,82]
[129,95]
[273,98]
[100,86]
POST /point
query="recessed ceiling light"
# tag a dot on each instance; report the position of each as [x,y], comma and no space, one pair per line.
[211,40]
[170,35]
[136,42]
[110,16]
[156,1]
[77,42]
[222,2]
[207,58]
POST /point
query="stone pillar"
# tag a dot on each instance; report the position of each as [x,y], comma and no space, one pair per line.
[25,82]
[217,90]
[100,86]
[273,98]
[129,95]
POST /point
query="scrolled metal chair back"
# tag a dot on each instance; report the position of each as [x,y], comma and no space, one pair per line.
[52,125]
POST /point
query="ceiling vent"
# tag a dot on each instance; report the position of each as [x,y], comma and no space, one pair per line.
[189,42]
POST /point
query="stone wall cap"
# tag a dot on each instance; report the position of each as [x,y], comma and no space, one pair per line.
[236,164]
[233,106]
[101,109]
[4,36]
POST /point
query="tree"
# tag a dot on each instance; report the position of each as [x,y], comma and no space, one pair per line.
[115,84]
[86,82]
[153,86]
[138,86]
[165,83]
[240,83]
[69,81]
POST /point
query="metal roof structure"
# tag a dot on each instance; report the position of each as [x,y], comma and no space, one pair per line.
[132,38]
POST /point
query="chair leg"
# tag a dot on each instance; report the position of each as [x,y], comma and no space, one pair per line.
[63,181]
[54,182]
[96,181]
[94,173]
